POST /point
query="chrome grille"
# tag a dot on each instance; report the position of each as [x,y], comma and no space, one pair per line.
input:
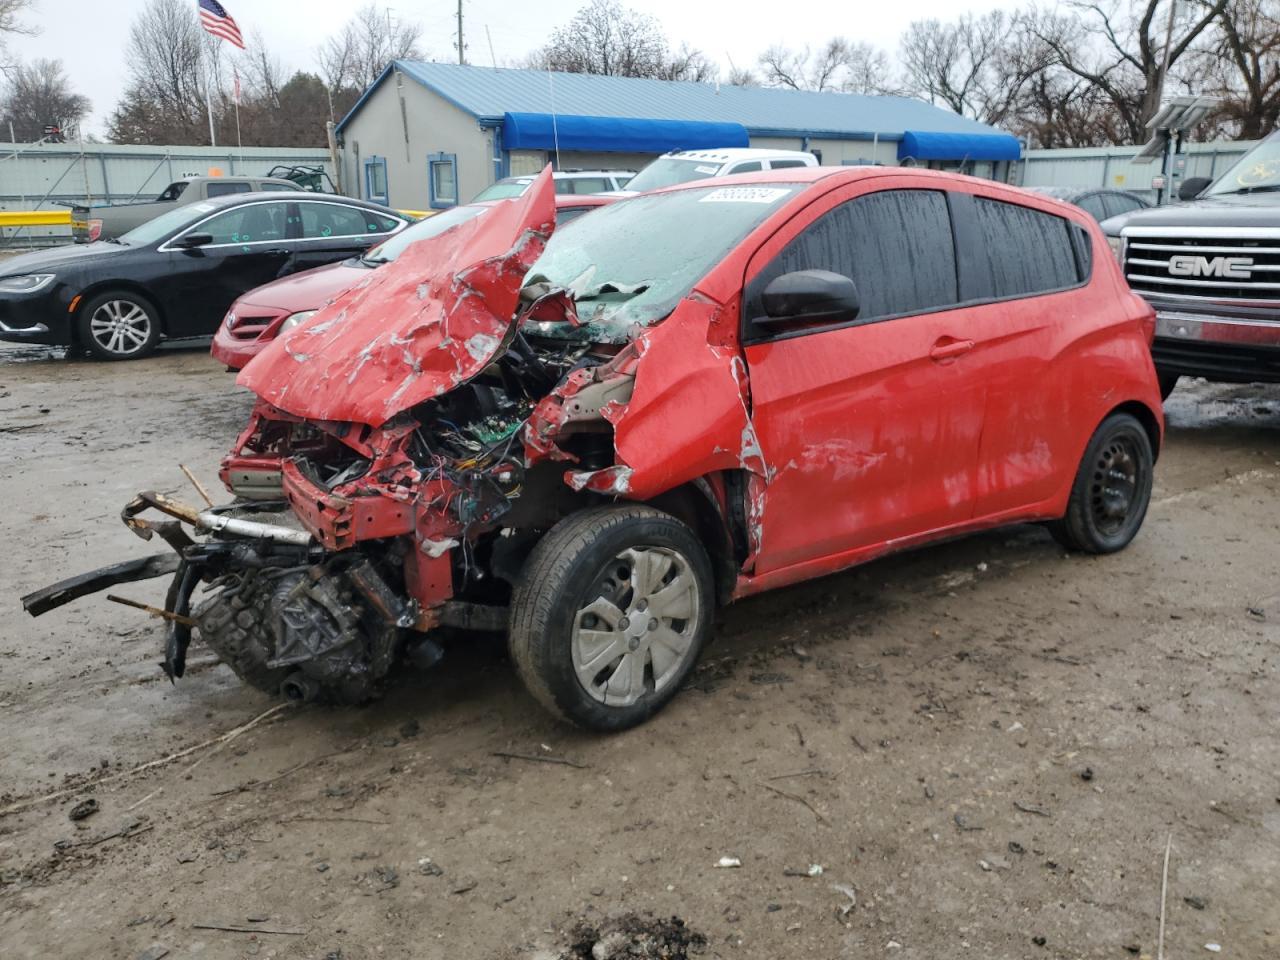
[1211,268]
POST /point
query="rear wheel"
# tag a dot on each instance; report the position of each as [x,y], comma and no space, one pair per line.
[1112,489]
[610,615]
[119,325]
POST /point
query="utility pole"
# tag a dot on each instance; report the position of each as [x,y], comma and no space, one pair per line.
[461,57]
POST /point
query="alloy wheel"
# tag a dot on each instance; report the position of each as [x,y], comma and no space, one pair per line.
[638,631]
[120,327]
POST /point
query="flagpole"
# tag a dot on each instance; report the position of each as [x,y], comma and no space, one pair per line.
[239,142]
[208,102]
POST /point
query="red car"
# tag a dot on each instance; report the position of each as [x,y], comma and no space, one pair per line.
[257,317]
[589,440]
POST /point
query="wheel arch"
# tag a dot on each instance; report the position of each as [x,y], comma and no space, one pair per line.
[703,506]
[106,286]
[1145,416]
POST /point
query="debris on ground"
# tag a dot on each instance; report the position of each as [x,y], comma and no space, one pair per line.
[634,936]
[728,862]
[845,908]
[83,809]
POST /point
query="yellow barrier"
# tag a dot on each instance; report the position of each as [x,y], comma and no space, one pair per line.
[34,218]
[420,214]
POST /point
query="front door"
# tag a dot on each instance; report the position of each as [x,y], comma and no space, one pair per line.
[872,428]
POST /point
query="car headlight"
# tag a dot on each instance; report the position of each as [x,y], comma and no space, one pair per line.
[29,283]
[294,319]
[1117,247]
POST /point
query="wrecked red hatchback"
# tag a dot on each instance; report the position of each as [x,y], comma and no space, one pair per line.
[590,440]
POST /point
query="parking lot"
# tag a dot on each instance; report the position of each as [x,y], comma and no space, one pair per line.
[984,745]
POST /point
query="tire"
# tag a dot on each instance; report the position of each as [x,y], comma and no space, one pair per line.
[1168,383]
[118,325]
[582,576]
[1112,489]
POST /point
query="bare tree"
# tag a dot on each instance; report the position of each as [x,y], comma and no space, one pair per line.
[164,102]
[1242,65]
[356,56]
[261,72]
[1118,47]
[11,24]
[606,38]
[838,65]
[688,64]
[742,77]
[39,93]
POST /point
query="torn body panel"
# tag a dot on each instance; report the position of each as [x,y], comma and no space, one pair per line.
[417,328]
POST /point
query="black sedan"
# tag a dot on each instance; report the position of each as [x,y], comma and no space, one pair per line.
[175,276]
[1098,202]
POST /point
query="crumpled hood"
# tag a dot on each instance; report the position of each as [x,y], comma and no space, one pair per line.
[415,328]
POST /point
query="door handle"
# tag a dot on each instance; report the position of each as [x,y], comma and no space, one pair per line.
[281,252]
[948,348]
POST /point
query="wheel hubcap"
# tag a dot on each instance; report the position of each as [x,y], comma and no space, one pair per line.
[637,632]
[120,327]
[1115,485]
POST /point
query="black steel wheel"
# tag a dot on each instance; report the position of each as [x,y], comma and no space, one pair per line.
[1112,489]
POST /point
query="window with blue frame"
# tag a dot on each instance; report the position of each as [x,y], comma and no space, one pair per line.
[375,179]
[442,178]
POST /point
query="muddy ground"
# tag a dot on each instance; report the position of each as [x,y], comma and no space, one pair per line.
[984,745]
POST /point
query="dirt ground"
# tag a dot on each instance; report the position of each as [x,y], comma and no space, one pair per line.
[983,745]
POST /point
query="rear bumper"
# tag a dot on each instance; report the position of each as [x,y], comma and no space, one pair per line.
[1222,348]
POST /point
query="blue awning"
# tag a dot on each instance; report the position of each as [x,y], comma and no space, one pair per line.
[925,145]
[542,131]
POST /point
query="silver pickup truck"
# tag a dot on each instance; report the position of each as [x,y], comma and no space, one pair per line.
[110,221]
[1211,268]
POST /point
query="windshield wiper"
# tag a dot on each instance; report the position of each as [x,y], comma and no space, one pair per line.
[1261,188]
[373,261]
[625,290]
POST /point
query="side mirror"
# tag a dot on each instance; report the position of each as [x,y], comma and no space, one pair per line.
[193,240]
[808,296]
[1192,187]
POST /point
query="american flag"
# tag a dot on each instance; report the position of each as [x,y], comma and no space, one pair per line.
[215,19]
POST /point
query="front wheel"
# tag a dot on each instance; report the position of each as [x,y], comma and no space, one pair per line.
[610,615]
[1112,489]
[119,325]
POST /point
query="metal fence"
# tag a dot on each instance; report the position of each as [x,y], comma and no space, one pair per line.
[48,176]
[1113,167]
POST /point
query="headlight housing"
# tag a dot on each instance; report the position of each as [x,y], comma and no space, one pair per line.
[291,321]
[29,283]
[1117,248]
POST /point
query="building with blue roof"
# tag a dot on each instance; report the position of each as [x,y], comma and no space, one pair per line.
[429,135]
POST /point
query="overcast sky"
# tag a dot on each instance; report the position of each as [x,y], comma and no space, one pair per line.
[89,35]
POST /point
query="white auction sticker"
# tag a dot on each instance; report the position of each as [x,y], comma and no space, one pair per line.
[745,195]
[711,171]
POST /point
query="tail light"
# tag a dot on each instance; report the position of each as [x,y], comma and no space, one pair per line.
[95,230]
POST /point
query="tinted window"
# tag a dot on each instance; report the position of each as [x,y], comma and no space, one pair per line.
[784,164]
[173,191]
[569,214]
[1026,251]
[1117,203]
[895,245]
[751,166]
[1093,206]
[332,220]
[226,189]
[504,189]
[584,185]
[276,186]
[251,223]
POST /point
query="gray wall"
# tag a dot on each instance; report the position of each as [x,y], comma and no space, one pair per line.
[433,126]
[1113,167]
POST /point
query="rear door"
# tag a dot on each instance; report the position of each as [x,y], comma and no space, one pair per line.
[1018,268]
[329,231]
[872,427]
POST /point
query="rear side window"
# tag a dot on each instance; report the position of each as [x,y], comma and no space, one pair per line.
[321,220]
[1026,251]
[227,189]
[785,164]
[1117,203]
[1093,206]
[895,245]
[751,166]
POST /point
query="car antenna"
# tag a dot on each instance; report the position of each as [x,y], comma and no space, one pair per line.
[555,131]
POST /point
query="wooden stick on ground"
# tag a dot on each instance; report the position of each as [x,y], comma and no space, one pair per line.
[242,928]
[204,494]
[1164,890]
[798,799]
[150,764]
[534,758]
[154,611]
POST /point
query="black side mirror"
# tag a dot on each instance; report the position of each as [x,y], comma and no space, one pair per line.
[193,240]
[808,296]
[1192,187]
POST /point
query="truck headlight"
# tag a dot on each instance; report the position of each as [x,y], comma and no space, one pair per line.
[294,319]
[1117,248]
[29,283]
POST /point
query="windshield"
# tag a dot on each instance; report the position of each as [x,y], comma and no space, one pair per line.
[165,224]
[668,171]
[502,190]
[392,247]
[630,263]
[1257,171]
